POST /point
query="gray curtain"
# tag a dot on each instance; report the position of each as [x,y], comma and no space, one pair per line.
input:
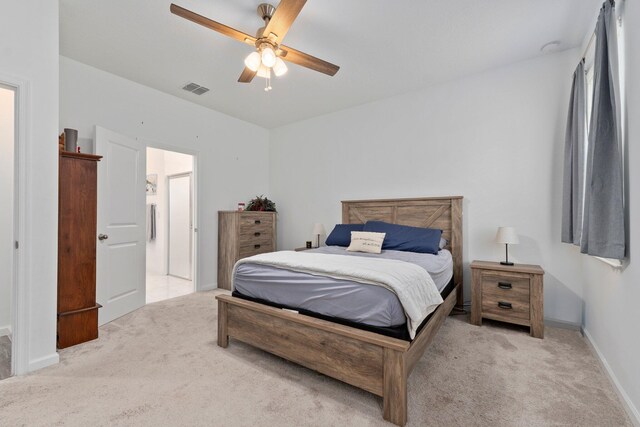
[603,231]
[574,146]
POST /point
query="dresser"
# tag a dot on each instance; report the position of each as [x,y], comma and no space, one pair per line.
[77,209]
[508,293]
[240,235]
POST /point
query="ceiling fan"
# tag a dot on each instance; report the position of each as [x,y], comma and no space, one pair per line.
[270,52]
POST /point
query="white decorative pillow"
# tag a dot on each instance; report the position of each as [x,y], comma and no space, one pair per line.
[366,241]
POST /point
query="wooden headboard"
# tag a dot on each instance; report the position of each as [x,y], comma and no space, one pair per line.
[444,213]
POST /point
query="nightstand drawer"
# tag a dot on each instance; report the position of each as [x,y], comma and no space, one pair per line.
[506,287]
[505,308]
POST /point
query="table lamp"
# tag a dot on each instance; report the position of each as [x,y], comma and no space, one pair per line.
[507,235]
[318,229]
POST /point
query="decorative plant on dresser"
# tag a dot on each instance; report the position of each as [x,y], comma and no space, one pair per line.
[261,203]
[242,234]
[77,211]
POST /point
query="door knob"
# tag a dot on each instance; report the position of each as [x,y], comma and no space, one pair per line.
[102,237]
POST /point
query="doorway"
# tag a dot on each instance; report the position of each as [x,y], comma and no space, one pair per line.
[7,227]
[170,230]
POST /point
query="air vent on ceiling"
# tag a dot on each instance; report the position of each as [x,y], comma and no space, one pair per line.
[195,88]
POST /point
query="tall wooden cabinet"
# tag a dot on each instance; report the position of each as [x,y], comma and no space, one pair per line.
[241,235]
[77,234]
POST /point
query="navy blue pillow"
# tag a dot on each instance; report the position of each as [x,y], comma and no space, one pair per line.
[341,234]
[405,238]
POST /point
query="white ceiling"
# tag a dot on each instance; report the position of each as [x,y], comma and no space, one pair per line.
[384,48]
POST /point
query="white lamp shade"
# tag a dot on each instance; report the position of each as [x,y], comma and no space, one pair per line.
[253,61]
[507,235]
[279,68]
[318,229]
[268,57]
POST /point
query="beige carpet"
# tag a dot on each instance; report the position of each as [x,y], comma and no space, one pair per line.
[161,366]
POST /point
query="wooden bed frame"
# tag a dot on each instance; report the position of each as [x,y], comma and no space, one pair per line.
[370,361]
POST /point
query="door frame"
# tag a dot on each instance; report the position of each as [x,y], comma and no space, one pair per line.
[194,205]
[191,210]
[20,284]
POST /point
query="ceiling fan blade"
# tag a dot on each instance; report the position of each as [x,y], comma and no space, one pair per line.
[308,61]
[211,24]
[286,12]
[247,75]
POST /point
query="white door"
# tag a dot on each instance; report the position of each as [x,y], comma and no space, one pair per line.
[120,268]
[180,226]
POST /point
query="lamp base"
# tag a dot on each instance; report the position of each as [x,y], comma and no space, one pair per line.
[506,263]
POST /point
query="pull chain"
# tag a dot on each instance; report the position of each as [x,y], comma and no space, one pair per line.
[267,81]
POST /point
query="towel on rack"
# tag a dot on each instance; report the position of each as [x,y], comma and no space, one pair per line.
[151,222]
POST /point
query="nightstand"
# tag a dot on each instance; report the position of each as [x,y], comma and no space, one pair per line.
[303,249]
[508,293]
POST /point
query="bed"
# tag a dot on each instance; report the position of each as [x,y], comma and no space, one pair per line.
[366,359]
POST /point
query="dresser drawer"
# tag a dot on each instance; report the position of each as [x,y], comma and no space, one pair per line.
[251,233]
[255,249]
[249,220]
[252,240]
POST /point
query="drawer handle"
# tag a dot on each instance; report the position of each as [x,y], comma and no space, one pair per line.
[504,285]
[256,246]
[256,234]
[257,221]
[505,305]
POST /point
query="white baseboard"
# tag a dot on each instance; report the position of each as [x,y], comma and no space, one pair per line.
[631,409]
[563,324]
[43,362]
[5,330]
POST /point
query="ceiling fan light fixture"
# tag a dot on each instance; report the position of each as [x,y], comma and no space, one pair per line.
[268,41]
[268,56]
[253,61]
[279,67]
[264,72]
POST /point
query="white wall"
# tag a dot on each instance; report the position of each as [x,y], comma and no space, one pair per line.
[496,139]
[175,163]
[611,296]
[163,163]
[7,125]
[232,154]
[29,53]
